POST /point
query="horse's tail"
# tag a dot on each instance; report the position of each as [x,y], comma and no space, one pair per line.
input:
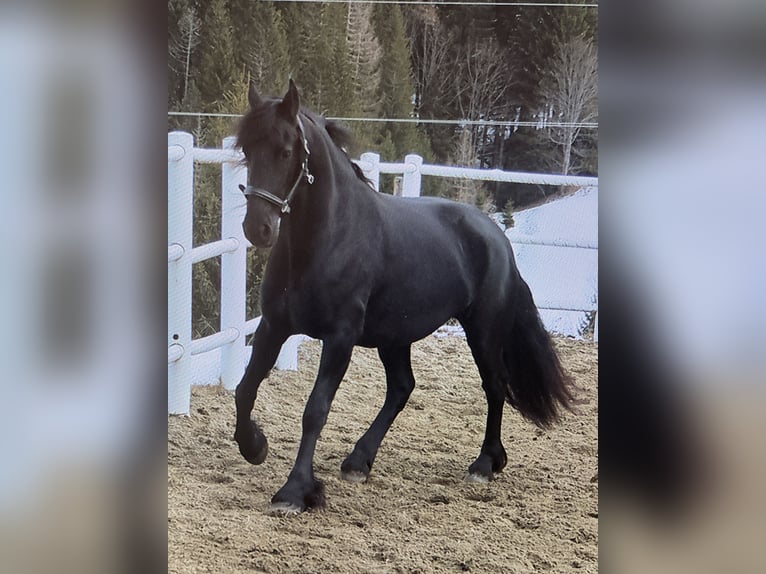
[537,386]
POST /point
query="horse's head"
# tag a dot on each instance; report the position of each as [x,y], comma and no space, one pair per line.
[276,154]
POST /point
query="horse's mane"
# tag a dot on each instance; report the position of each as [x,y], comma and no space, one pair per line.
[339,134]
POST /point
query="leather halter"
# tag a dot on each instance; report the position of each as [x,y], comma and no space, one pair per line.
[284,204]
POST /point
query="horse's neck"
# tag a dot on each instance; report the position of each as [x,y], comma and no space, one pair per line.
[323,210]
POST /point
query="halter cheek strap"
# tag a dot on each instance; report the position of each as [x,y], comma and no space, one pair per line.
[284,204]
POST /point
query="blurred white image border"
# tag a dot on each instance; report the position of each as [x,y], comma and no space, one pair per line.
[682,200]
[681,208]
[78,291]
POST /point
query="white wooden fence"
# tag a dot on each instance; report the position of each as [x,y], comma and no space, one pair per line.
[221,357]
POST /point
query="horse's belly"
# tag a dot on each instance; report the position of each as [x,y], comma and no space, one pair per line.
[399,333]
[401,318]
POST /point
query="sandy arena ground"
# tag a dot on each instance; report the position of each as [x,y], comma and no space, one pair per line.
[415,514]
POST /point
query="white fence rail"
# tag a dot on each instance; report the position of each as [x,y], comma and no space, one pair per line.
[221,357]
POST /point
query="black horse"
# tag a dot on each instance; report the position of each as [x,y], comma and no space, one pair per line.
[351,266]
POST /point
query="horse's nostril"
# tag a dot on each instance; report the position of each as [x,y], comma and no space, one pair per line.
[265,230]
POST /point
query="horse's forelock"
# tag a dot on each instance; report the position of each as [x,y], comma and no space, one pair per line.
[255,123]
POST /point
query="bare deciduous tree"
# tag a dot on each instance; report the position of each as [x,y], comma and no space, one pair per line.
[470,191]
[482,84]
[570,92]
[432,59]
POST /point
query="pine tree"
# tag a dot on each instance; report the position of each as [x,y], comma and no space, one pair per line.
[364,53]
[261,44]
[175,9]
[310,49]
[217,68]
[396,80]
[339,86]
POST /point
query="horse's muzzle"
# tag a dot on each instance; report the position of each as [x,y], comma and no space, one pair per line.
[262,234]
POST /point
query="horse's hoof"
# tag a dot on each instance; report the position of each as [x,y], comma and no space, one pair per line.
[253,446]
[483,468]
[476,478]
[353,476]
[258,458]
[296,497]
[356,468]
[285,509]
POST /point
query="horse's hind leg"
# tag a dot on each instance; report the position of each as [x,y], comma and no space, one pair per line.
[487,353]
[266,346]
[399,385]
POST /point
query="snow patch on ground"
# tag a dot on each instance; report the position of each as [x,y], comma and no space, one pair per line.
[560,277]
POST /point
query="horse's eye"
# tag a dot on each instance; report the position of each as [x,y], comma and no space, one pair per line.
[286,153]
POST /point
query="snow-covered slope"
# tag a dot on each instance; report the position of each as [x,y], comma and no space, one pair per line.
[560,276]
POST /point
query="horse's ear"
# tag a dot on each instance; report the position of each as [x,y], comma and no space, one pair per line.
[253,98]
[291,102]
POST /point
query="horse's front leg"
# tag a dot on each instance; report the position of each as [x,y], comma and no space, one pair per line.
[302,490]
[267,343]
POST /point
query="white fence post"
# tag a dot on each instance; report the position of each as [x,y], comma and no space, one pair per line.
[233,268]
[595,328]
[411,179]
[371,161]
[180,224]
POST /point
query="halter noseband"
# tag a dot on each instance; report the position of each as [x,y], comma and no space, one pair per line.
[284,204]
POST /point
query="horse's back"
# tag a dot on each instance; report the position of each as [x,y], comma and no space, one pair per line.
[439,256]
[448,231]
